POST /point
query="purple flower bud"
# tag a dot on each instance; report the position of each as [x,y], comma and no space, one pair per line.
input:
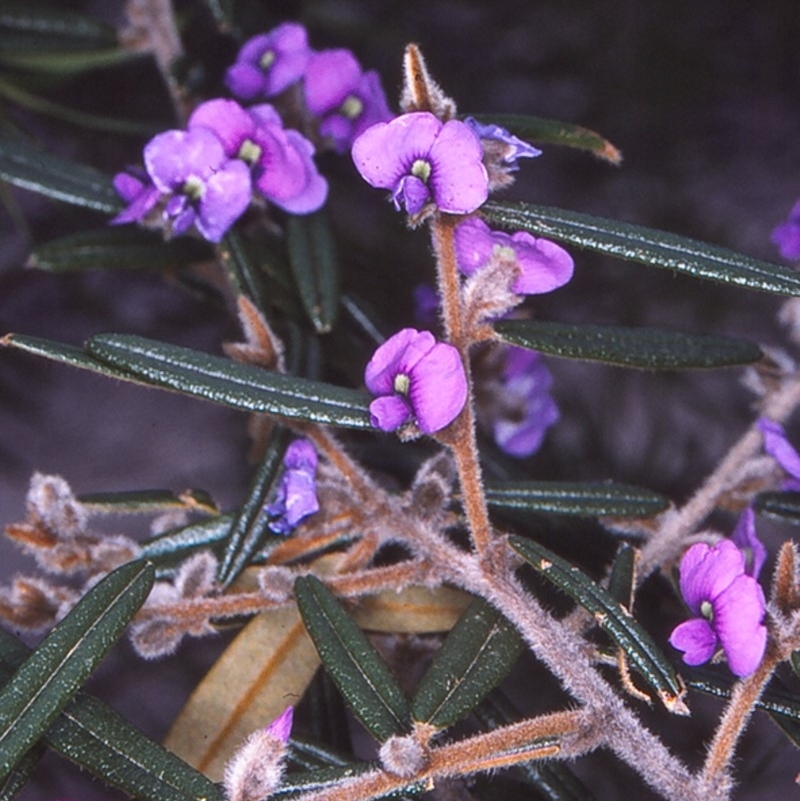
[543,265]
[207,189]
[745,538]
[269,63]
[787,235]
[281,727]
[281,162]
[513,147]
[777,445]
[515,405]
[346,100]
[296,498]
[728,606]
[415,378]
[422,160]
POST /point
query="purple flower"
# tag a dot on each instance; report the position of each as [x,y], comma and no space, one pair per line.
[346,100]
[787,235]
[777,445]
[205,187]
[422,160]
[746,539]
[543,265]
[297,494]
[516,405]
[416,379]
[728,606]
[510,147]
[281,162]
[281,727]
[137,190]
[269,63]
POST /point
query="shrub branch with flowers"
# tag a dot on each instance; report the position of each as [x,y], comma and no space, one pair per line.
[326,549]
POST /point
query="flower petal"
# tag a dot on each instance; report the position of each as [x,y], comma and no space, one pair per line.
[438,389]
[746,539]
[544,265]
[226,198]
[331,75]
[696,639]
[227,120]
[397,355]
[706,571]
[738,612]
[172,157]
[474,244]
[777,445]
[389,412]
[386,151]
[459,181]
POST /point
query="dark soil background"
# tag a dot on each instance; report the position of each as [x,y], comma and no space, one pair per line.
[702,98]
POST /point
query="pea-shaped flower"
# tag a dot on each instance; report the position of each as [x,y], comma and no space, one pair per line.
[729,607]
[416,379]
[423,160]
[296,498]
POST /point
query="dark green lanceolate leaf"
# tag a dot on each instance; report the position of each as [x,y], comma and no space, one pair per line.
[242,270]
[611,617]
[147,501]
[22,773]
[312,257]
[99,740]
[576,498]
[623,576]
[779,505]
[180,542]
[250,525]
[645,348]
[553,780]
[646,245]
[477,655]
[362,677]
[23,17]
[31,56]
[121,248]
[65,659]
[552,132]
[221,380]
[26,165]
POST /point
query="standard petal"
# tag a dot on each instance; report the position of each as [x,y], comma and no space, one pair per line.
[705,571]
[438,388]
[459,181]
[777,445]
[389,412]
[227,196]
[330,77]
[738,612]
[696,639]
[227,120]
[544,265]
[393,356]
[386,151]
[172,157]
[245,81]
[474,244]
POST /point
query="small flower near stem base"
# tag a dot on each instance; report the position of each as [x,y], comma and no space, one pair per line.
[297,494]
[416,379]
[728,606]
[424,161]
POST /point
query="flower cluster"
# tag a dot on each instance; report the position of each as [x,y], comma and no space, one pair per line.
[342,98]
[728,605]
[206,175]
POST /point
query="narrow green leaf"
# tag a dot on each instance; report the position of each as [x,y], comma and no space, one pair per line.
[645,348]
[221,380]
[552,132]
[783,506]
[26,165]
[576,498]
[147,501]
[241,268]
[250,525]
[646,245]
[179,543]
[612,618]
[367,685]
[477,655]
[101,741]
[623,575]
[68,61]
[22,773]
[53,22]
[119,248]
[312,257]
[66,658]
[791,728]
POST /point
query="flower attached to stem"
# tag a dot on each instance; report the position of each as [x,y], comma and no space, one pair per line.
[297,494]
[424,161]
[728,606]
[416,379]
[269,63]
[501,149]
